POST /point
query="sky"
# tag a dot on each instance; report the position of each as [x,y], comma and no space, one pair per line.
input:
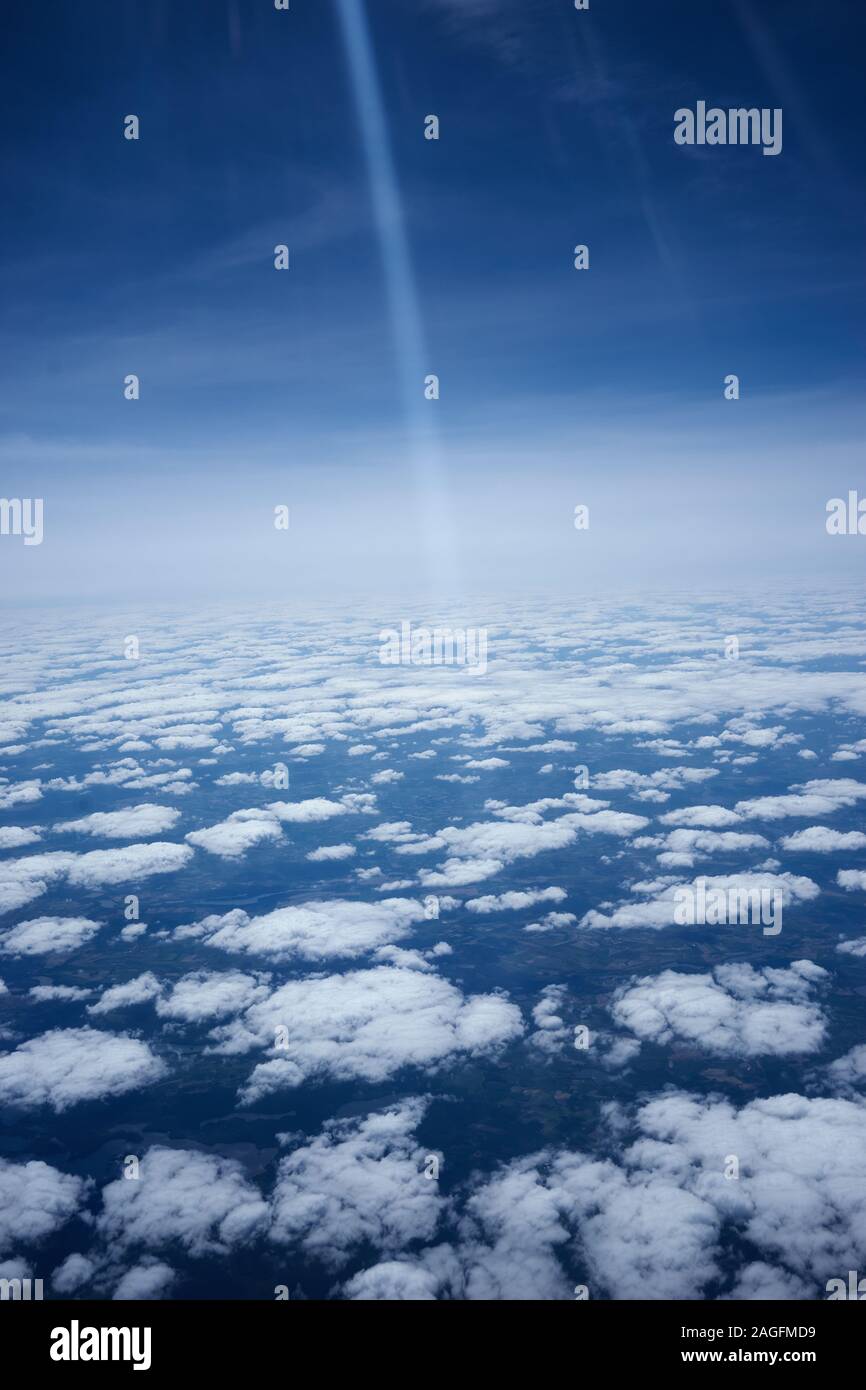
[305,388]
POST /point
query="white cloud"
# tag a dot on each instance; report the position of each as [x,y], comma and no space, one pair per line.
[513,901]
[75,1271]
[481,850]
[319,808]
[316,930]
[819,839]
[360,1182]
[123,825]
[17,836]
[35,1201]
[137,991]
[552,1034]
[206,994]
[18,793]
[848,1073]
[682,847]
[712,817]
[659,905]
[329,852]
[231,838]
[43,935]
[819,797]
[365,1025]
[393,1281]
[736,1011]
[649,1223]
[199,1200]
[70,1065]
[128,865]
[47,994]
[760,1281]
[148,1280]
[23,880]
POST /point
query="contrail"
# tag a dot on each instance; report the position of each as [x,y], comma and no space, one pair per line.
[435,529]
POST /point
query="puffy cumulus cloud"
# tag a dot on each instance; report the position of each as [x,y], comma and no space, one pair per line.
[16,836]
[617,1053]
[800,1198]
[326,853]
[682,847]
[533,812]
[231,838]
[387,775]
[149,1280]
[660,898]
[69,1065]
[43,935]
[855,947]
[820,797]
[821,840]
[639,683]
[319,808]
[315,930]
[651,1220]
[851,880]
[75,1271]
[139,990]
[200,1201]
[171,741]
[509,1233]
[550,921]
[365,1025]
[642,1235]
[130,775]
[133,930]
[481,850]
[35,1201]
[709,817]
[736,1011]
[123,825]
[358,1183]
[128,865]
[458,873]
[23,880]
[18,793]
[762,1282]
[551,1034]
[206,994]
[393,832]
[652,786]
[848,1073]
[394,1281]
[513,901]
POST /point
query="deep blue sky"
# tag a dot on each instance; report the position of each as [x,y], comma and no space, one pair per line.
[156,257]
